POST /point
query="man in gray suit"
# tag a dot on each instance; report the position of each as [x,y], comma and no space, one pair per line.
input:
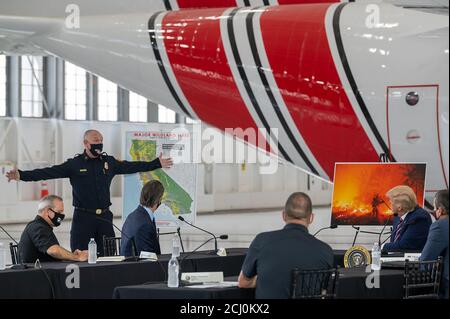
[437,242]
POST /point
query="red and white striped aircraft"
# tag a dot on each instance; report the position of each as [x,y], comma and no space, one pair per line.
[342,82]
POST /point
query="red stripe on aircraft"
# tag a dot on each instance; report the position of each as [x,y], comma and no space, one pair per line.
[186,4]
[195,50]
[300,57]
[197,4]
[305,1]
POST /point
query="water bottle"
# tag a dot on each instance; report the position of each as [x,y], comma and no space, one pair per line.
[175,246]
[92,252]
[2,257]
[376,257]
[173,271]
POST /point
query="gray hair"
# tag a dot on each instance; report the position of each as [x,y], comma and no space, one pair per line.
[48,202]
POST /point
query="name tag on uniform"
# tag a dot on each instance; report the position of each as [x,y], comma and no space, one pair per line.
[83,170]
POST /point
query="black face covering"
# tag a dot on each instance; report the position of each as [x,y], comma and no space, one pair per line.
[57,219]
[96,149]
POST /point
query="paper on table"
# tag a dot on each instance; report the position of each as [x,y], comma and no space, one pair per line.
[224,284]
[110,258]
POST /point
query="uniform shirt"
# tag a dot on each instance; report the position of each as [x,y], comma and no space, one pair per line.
[273,255]
[36,239]
[90,177]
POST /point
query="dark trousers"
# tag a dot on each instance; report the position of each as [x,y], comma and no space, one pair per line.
[86,226]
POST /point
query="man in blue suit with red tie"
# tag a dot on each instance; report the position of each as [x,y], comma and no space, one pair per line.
[140,225]
[411,224]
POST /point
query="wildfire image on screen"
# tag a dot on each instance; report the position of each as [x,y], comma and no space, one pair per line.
[359,195]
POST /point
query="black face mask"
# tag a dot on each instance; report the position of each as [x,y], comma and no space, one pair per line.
[57,219]
[96,149]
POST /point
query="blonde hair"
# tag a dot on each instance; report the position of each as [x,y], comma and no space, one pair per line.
[404,196]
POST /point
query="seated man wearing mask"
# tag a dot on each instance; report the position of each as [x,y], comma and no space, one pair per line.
[38,240]
[437,242]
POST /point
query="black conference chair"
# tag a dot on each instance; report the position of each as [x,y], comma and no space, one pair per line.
[314,284]
[422,279]
[111,246]
[14,250]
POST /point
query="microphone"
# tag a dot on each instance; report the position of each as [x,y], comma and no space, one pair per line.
[389,237]
[384,227]
[133,243]
[214,236]
[182,260]
[21,265]
[173,233]
[196,249]
[334,226]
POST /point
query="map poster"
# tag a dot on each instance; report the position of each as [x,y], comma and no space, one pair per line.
[180,181]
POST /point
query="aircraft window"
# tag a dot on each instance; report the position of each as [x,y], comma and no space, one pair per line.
[412,98]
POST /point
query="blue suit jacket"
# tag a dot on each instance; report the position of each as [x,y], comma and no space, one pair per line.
[437,245]
[140,227]
[414,232]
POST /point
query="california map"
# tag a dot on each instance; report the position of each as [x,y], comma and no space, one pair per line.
[175,197]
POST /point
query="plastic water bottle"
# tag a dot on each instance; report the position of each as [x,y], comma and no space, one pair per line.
[2,257]
[376,257]
[173,271]
[92,252]
[173,266]
[175,246]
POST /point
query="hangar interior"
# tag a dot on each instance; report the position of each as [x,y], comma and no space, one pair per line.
[45,106]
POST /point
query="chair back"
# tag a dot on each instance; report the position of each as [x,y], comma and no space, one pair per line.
[314,284]
[422,279]
[14,250]
[111,246]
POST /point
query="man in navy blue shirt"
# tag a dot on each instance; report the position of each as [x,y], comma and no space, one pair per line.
[139,229]
[90,174]
[273,255]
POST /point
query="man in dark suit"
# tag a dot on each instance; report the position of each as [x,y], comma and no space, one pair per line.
[437,242]
[140,225]
[273,255]
[411,223]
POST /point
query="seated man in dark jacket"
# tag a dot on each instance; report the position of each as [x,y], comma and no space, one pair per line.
[437,243]
[411,223]
[140,225]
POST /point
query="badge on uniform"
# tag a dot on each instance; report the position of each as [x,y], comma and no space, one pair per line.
[83,170]
[106,166]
